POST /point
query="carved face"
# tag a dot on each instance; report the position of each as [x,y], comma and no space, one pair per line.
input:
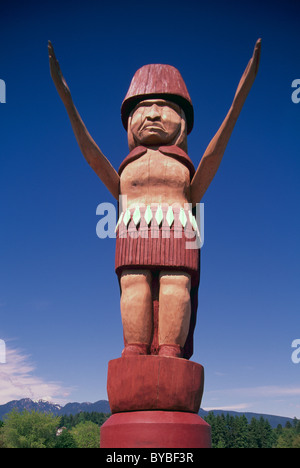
[156,122]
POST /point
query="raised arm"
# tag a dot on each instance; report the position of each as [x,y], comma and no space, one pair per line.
[212,157]
[89,148]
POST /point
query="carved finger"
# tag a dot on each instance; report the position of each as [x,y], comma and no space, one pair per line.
[256,54]
[51,50]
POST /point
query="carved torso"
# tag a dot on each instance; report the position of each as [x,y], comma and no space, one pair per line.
[155,177]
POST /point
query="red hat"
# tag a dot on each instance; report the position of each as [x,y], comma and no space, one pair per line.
[158,81]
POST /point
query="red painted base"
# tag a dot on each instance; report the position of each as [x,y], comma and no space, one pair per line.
[147,383]
[155,429]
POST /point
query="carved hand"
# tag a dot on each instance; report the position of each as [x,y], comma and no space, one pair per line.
[248,77]
[57,77]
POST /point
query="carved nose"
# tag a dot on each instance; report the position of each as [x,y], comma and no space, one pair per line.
[153,113]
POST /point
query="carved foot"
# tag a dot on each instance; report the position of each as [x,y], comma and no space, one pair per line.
[135,349]
[170,350]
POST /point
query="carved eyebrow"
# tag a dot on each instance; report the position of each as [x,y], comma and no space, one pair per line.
[159,102]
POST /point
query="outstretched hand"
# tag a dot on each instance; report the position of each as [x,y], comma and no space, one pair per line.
[57,77]
[212,157]
[89,148]
[249,74]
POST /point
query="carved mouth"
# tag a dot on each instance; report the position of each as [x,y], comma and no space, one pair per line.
[153,126]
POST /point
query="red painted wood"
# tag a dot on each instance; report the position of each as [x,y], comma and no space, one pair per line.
[173,151]
[158,80]
[159,429]
[154,383]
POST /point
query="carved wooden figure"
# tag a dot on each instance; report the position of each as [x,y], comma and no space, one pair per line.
[158,275]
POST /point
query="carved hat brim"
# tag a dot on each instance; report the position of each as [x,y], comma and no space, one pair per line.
[158,81]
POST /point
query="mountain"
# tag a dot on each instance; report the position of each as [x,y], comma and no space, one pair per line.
[273,420]
[102,406]
[29,405]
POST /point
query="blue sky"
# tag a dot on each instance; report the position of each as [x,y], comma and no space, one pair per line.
[59,295]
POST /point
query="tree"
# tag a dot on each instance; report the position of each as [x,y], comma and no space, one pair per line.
[286,438]
[289,436]
[2,443]
[240,432]
[70,421]
[65,440]
[211,420]
[236,432]
[86,435]
[221,431]
[297,426]
[296,441]
[29,429]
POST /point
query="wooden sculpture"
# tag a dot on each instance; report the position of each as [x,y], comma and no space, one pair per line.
[158,275]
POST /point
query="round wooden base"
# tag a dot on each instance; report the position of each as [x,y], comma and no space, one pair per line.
[140,383]
[155,401]
[155,429]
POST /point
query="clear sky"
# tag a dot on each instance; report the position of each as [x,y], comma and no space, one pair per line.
[59,295]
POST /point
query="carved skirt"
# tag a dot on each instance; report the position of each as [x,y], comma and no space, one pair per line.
[162,237]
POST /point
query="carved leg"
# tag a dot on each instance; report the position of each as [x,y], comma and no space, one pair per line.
[136,311]
[174,312]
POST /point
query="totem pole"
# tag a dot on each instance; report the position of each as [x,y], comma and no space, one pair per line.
[154,389]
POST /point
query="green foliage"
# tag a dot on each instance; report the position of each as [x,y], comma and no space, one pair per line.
[86,435]
[29,429]
[74,419]
[261,434]
[65,440]
[236,432]
[229,431]
[38,430]
[288,437]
